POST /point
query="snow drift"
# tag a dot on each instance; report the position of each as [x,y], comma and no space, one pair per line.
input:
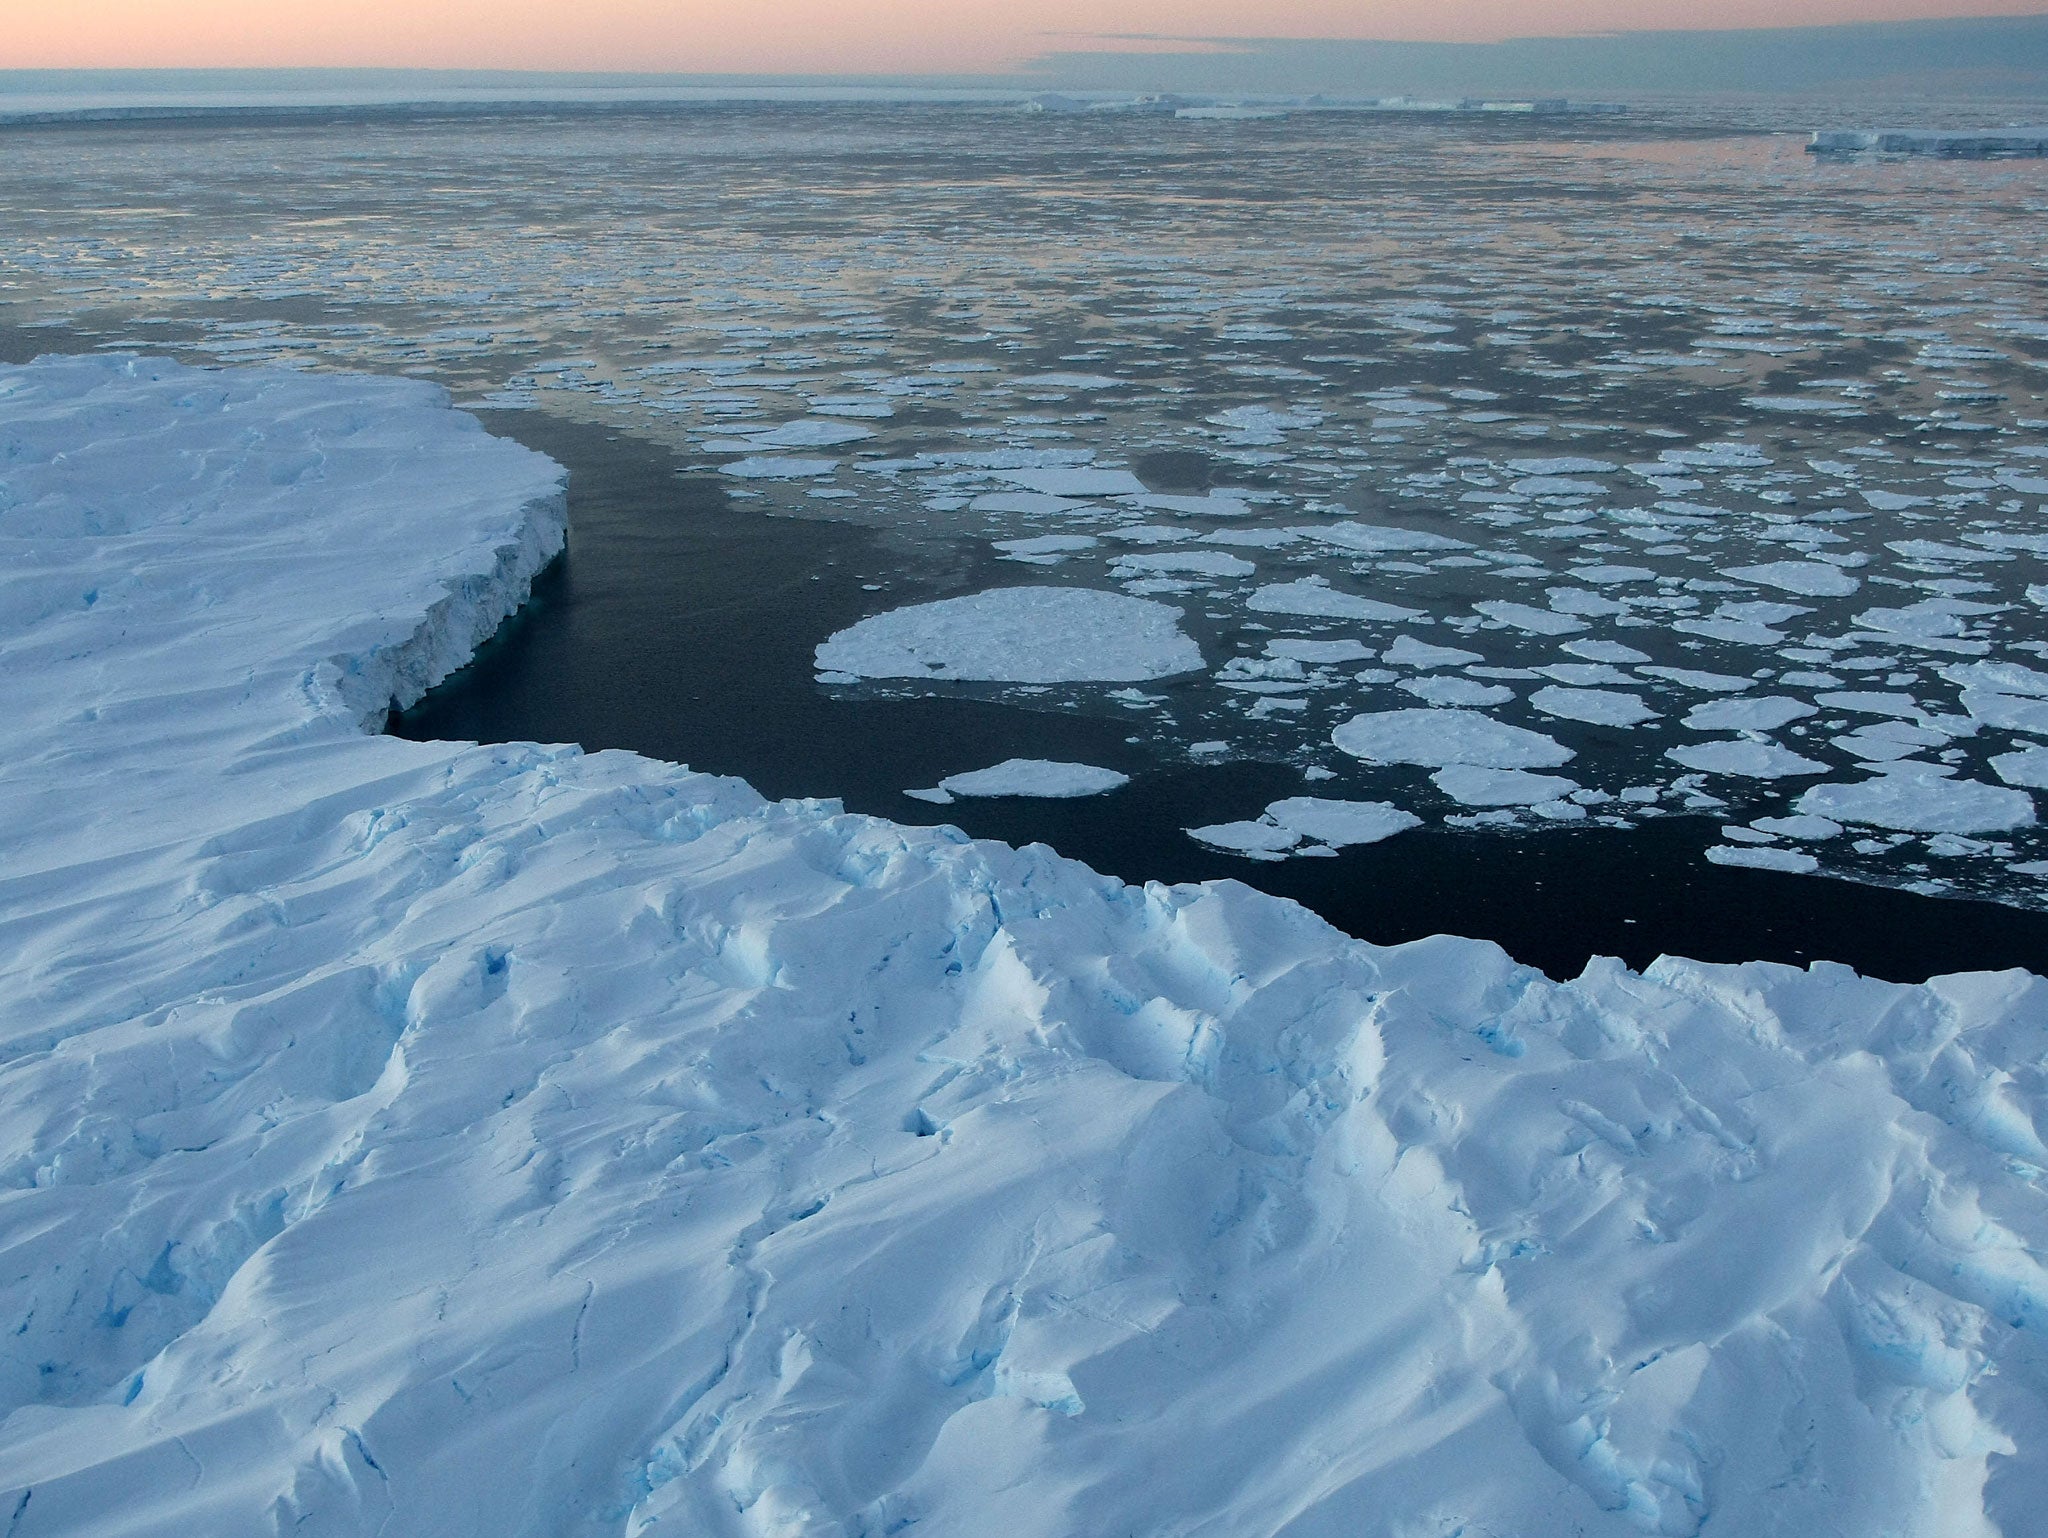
[428,1138]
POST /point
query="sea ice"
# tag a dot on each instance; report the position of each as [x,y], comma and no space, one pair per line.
[1341,823]
[2028,767]
[1919,799]
[1026,635]
[1600,707]
[1035,777]
[1313,597]
[1796,862]
[1814,579]
[1472,785]
[1762,713]
[1744,756]
[1437,739]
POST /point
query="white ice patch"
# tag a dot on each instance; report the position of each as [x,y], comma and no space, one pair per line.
[1764,713]
[1745,757]
[1075,481]
[1795,862]
[779,468]
[1471,785]
[1440,689]
[1341,823]
[2028,767]
[1437,739]
[1813,579]
[1597,707]
[1038,778]
[1919,799]
[1025,635]
[1313,597]
[1193,563]
[1407,652]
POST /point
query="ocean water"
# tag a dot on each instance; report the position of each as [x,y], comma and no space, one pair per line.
[1718,469]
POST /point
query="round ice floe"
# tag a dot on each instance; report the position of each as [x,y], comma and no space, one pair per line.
[1922,799]
[1257,839]
[1437,739]
[1338,823]
[1036,777]
[1766,713]
[1814,579]
[1792,861]
[1026,635]
[1599,707]
[1746,757]
[1471,785]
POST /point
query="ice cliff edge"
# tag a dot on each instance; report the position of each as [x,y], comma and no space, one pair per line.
[430,1138]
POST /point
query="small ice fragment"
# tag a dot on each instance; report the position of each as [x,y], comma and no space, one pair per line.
[1695,678]
[1407,652]
[1813,579]
[1799,825]
[1472,785]
[1744,756]
[1522,616]
[1318,652]
[1604,651]
[1599,707]
[1445,689]
[1075,481]
[1765,713]
[1194,563]
[773,468]
[1437,739]
[1314,597]
[1035,777]
[1340,823]
[1796,862]
[1248,838]
[1018,635]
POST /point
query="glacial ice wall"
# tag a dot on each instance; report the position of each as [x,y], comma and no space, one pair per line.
[427,1138]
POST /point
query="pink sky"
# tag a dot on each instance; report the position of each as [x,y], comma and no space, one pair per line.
[813,36]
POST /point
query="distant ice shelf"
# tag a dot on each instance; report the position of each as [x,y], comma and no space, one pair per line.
[1971,143]
[434,1138]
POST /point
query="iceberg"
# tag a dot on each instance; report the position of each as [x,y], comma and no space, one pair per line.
[453,1138]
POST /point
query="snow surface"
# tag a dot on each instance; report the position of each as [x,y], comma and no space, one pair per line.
[430,1138]
[1035,635]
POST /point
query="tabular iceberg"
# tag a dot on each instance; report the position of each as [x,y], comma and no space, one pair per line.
[433,1138]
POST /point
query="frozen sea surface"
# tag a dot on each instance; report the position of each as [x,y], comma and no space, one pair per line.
[732,1166]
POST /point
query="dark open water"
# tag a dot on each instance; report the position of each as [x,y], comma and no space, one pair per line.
[682,627]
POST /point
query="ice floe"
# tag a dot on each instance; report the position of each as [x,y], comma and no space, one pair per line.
[1037,635]
[1039,778]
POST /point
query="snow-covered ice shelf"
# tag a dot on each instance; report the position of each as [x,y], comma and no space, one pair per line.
[433,1138]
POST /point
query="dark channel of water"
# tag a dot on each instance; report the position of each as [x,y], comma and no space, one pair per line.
[681,625]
